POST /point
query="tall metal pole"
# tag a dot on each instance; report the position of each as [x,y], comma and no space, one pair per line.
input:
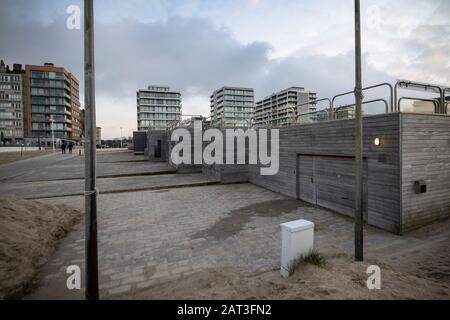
[89,159]
[359,256]
[121,137]
[53,135]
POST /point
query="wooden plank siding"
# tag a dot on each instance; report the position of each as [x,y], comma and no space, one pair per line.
[425,156]
[336,138]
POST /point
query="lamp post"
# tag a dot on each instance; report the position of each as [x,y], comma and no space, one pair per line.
[53,134]
[90,192]
[359,256]
[121,137]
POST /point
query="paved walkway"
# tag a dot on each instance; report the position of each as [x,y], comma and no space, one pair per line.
[49,189]
[152,236]
[57,175]
[155,236]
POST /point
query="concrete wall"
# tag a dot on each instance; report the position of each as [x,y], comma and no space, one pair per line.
[153,136]
[413,147]
[228,173]
[139,141]
[183,168]
[425,156]
[336,139]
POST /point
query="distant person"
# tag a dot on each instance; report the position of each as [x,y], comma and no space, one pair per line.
[63,147]
[70,147]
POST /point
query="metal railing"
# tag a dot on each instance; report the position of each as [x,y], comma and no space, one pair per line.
[420,86]
[434,102]
[391,95]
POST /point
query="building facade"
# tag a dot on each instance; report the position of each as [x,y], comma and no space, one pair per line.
[53,105]
[282,108]
[157,106]
[232,106]
[11,104]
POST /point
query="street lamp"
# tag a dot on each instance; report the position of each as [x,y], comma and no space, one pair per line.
[121,137]
[53,134]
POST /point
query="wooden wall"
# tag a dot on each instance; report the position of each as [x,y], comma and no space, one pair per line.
[425,156]
[336,138]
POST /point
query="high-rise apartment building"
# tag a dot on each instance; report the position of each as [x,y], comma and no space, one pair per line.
[232,106]
[157,106]
[11,103]
[52,98]
[282,108]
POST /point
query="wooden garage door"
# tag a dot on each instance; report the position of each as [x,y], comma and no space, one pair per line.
[329,182]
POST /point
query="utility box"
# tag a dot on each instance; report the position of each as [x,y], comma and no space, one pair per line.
[297,239]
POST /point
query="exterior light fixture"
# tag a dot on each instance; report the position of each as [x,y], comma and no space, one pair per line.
[377,141]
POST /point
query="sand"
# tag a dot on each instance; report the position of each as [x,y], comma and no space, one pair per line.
[8,157]
[340,278]
[29,234]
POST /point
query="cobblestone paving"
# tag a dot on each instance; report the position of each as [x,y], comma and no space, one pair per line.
[153,236]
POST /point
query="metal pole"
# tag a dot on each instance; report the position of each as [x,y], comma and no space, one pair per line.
[121,137]
[53,135]
[358,140]
[89,159]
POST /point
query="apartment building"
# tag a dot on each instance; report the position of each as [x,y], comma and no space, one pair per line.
[53,105]
[11,104]
[282,108]
[232,106]
[157,106]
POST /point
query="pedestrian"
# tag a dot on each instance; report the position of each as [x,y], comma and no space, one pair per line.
[70,147]
[63,147]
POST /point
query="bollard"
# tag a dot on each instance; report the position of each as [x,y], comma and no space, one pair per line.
[297,239]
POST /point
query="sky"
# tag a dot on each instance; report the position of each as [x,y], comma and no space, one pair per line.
[197,46]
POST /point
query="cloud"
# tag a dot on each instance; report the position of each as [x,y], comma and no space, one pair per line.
[197,55]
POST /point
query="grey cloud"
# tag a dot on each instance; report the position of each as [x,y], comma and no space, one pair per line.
[186,53]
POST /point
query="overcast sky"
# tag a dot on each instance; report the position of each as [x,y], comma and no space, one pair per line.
[197,46]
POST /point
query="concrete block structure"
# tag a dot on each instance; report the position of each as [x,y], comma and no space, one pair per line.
[406,165]
[317,166]
[157,145]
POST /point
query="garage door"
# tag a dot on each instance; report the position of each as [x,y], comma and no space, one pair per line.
[329,181]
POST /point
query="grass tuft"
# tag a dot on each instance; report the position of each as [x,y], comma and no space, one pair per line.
[313,257]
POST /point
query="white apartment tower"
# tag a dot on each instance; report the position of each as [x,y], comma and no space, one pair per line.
[232,106]
[157,106]
[282,108]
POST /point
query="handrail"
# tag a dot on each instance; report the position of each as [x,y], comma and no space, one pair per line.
[369,101]
[445,104]
[314,102]
[436,103]
[391,91]
[415,84]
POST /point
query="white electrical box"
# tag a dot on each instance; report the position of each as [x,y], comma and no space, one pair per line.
[297,238]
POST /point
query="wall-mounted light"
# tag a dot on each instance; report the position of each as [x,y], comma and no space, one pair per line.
[377,141]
